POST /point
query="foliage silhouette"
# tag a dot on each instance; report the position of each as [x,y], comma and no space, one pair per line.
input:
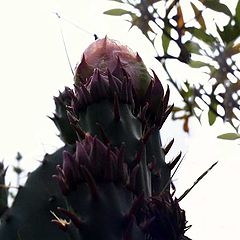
[201,42]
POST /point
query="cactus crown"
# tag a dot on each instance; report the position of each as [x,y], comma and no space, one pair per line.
[106,54]
[111,70]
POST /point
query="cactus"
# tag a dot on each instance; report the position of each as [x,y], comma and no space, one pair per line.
[111,180]
[3,190]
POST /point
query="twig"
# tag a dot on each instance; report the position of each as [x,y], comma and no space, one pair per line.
[196,182]
[64,44]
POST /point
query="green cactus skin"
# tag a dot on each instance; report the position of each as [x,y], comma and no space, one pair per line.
[3,190]
[113,181]
[30,217]
[60,119]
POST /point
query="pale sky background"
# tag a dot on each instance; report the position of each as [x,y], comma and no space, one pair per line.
[33,67]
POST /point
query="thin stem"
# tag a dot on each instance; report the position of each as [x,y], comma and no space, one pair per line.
[196,182]
[64,44]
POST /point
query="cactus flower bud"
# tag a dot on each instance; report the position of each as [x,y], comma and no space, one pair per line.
[106,54]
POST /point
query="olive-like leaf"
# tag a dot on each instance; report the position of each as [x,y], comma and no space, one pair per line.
[212,113]
[197,64]
[202,35]
[117,12]
[165,41]
[230,32]
[237,16]
[198,16]
[211,117]
[229,136]
[192,47]
[217,6]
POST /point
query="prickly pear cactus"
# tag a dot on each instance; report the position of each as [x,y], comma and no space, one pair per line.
[3,190]
[111,180]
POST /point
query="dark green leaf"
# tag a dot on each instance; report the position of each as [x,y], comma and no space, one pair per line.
[202,35]
[229,136]
[192,47]
[197,64]
[186,92]
[165,41]
[229,33]
[218,7]
[212,112]
[211,117]
[198,16]
[117,12]
[238,12]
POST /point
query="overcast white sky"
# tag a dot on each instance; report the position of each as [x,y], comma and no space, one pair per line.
[33,67]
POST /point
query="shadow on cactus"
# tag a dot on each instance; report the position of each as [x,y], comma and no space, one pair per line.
[111,180]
